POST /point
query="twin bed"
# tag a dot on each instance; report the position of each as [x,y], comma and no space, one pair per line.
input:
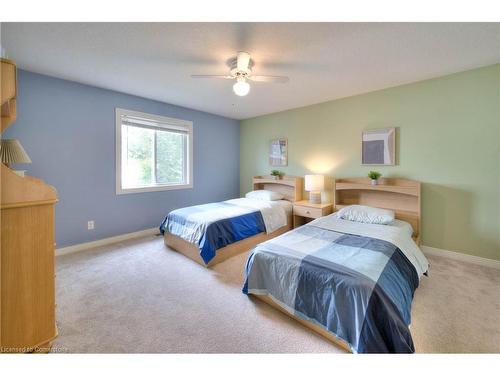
[350,281]
[214,232]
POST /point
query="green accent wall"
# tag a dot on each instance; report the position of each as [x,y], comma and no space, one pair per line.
[448,137]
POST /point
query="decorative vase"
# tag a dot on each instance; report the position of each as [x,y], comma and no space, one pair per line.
[374,182]
[275,177]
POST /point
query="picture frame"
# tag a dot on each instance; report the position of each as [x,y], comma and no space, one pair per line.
[278,152]
[378,147]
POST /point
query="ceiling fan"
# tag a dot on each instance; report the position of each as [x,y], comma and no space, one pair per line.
[241,71]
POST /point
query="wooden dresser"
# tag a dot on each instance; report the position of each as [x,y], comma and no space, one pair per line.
[27,264]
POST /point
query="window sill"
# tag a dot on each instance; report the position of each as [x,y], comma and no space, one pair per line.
[120,191]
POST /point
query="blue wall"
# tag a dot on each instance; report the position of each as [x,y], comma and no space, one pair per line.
[68,129]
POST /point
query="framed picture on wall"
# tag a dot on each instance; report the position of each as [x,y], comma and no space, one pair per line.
[278,152]
[379,147]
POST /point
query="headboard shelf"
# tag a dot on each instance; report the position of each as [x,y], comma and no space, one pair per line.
[289,186]
[409,190]
[399,195]
[285,180]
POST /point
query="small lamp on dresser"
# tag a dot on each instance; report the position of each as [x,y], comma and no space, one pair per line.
[11,151]
[314,184]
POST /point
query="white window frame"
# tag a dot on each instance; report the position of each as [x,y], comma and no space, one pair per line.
[162,122]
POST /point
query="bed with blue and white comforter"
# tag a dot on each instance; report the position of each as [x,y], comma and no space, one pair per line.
[355,280]
[215,225]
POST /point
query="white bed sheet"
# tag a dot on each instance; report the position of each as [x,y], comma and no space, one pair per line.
[286,205]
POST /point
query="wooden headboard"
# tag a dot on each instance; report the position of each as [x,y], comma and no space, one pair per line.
[289,186]
[396,194]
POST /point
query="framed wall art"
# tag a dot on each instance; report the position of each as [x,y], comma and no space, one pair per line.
[278,152]
[379,147]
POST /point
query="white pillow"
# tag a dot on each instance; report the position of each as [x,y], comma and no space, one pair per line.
[264,195]
[366,214]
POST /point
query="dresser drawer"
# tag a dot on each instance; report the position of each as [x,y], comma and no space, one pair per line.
[313,213]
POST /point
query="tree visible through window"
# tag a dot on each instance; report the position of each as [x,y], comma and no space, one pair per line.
[169,157]
[154,153]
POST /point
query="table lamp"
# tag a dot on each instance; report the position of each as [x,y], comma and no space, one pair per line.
[11,151]
[315,183]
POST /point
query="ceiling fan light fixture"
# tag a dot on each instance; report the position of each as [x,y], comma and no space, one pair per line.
[241,87]
[241,71]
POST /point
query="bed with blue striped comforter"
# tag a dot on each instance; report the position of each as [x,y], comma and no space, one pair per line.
[213,226]
[355,280]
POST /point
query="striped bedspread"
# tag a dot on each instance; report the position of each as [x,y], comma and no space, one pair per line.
[215,225]
[355,280]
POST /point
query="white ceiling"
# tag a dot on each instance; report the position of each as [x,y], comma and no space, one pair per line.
[324,61]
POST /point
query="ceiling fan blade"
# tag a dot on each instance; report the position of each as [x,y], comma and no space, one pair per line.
[211,76]
[275,79]
[243,61]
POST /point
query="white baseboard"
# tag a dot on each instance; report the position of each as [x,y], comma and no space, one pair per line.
[106,241]
[492,263]
[152,231]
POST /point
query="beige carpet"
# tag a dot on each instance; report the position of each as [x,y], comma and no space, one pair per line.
[138,296]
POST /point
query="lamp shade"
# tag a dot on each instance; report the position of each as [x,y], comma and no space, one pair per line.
[11,151]
[314,182]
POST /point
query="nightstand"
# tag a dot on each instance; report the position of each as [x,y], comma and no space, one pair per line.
[303,211]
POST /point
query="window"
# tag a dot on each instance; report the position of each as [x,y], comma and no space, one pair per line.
[152,152]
